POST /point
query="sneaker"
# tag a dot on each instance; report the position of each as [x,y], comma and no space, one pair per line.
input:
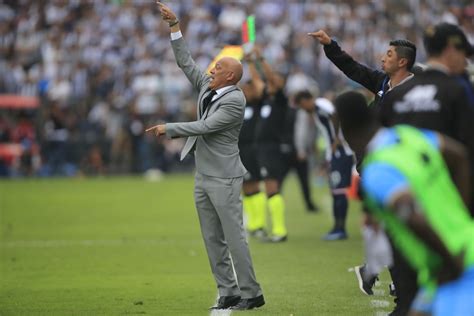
[364,286]
[335,235]
[258,233]
[276,239]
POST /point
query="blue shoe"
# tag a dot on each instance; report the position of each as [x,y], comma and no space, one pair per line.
[335,235]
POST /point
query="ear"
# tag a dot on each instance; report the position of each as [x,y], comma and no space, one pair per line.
[402,62]
[230,76]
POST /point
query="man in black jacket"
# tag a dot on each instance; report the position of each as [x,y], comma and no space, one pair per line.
[397,64]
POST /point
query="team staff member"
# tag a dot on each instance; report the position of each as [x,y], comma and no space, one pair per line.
[219,171]
[269,134]
[254,200]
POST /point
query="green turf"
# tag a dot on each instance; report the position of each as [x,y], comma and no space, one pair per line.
[124,246]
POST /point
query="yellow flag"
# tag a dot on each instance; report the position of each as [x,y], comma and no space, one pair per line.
[234,51]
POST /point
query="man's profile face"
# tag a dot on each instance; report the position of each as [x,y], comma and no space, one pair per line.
[390,61]
[219,75]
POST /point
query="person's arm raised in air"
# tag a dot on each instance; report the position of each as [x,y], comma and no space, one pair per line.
[275,82]
[257,81]
[370,78]
[181,52]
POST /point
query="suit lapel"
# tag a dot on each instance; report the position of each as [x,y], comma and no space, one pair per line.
[211,105]
[218,97]
[199,107]
[206,92]
[223,94]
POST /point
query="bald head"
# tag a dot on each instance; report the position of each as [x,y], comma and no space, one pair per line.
[227,71]
[234,66]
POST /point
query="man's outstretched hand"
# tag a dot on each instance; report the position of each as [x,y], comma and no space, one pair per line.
[166,13]
[321,36]
[157,129]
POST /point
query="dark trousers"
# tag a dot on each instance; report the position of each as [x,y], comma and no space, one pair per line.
[405,280]
[302,170]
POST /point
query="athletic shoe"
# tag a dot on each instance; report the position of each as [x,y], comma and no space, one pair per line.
[276,239]
[258,233]
[364,286]
[335,234]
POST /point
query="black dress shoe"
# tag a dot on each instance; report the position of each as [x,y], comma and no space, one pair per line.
[224,302]
[249,303]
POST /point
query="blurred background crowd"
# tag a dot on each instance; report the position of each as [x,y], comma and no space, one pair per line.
[104,70]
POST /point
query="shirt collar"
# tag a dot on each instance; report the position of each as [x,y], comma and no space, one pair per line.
[224,89]
[401,82]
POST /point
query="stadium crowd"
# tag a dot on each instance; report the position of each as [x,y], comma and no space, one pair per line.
[102,70]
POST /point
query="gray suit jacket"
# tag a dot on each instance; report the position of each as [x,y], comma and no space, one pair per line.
[214,136]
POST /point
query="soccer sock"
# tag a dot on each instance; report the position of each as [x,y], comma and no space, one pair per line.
[249,211]
[259,201]
[339,208]
[276,206]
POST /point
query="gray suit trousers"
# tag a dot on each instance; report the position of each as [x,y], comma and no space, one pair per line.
[219,207]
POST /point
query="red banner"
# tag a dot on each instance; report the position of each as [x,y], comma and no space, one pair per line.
[11,101]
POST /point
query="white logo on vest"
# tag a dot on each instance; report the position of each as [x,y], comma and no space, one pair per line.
[419,99]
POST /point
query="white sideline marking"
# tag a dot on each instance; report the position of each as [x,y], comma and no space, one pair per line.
[381,313]
[220,312]
[87,243]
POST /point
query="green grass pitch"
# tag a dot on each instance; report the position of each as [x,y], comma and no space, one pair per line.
[125,246]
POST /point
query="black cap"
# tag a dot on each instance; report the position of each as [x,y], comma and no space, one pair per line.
[441,35]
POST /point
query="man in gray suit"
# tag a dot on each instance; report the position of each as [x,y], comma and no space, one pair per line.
[219,172]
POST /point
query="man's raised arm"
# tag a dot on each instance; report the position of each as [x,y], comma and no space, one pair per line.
[369,78]
[181,52]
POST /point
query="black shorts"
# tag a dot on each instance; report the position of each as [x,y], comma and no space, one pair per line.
[341,170]
[248,155]
[271,161]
